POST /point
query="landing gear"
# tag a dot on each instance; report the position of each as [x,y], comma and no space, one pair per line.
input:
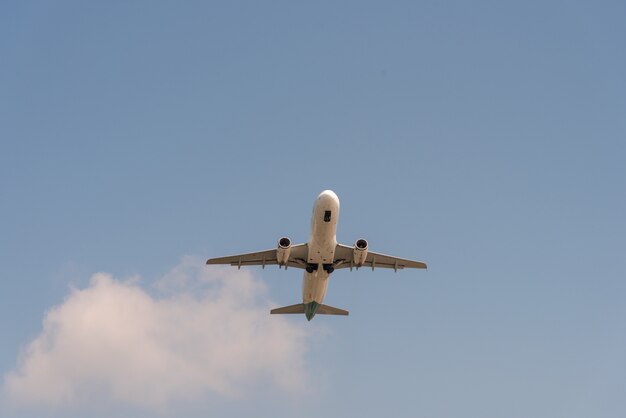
[328,268]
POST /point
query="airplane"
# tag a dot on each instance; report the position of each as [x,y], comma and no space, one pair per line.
[318,258]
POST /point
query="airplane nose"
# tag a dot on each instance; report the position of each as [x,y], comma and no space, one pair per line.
[328,194]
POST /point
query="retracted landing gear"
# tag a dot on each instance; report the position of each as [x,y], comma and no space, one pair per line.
[328,268]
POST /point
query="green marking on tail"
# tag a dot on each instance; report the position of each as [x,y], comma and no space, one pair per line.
[310,309]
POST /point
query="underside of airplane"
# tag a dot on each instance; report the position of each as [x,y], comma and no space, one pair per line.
[318,257]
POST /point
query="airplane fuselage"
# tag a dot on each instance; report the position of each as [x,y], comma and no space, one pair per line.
[322,244]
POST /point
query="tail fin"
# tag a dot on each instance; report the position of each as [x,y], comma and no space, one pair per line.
[300,308]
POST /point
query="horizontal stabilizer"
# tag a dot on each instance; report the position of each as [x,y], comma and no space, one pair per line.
[299,308]
[329,310]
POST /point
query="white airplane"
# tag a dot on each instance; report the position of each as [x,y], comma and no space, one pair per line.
[319,258]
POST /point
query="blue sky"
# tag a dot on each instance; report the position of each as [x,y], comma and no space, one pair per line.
[487,139]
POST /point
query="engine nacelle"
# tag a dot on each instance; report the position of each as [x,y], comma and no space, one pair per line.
[360,252]
[282,253]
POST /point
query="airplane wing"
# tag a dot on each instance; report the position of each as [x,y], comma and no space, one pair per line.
[344,259]
[297,258]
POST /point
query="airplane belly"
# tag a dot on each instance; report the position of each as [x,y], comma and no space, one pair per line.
[322,251]
[314,286]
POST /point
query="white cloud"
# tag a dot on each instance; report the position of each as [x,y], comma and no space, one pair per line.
[209,332]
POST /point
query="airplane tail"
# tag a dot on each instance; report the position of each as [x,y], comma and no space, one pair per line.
[301,308]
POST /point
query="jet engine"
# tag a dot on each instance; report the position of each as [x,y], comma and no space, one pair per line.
[360,252]
[282,253]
